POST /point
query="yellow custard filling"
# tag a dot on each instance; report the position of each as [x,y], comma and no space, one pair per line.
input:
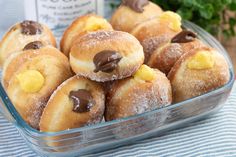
[201,60]
[144,73]
[95,24]
[31,81]
[173,19]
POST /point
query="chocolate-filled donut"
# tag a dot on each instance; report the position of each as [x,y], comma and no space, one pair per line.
[106,55]
[162,52]
[31,76]
[76,103]
[22,34]
[133,12]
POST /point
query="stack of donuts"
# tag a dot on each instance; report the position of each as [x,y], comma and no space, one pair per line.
[141,61]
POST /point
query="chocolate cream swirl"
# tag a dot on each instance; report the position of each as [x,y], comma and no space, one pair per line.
[106,61]
[135,5]
[184,37]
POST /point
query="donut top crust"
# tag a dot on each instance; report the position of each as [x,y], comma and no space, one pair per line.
[86,47]
[153,43]
[153,28]
[165,57]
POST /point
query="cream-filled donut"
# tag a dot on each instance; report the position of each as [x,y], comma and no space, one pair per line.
[147,90]
[168,23]
[82,25]
[198,72]
[30,77]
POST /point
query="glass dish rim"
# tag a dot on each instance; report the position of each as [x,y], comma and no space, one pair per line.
[21,124]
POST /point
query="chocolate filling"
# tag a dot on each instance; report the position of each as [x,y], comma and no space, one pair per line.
[135,5]
[184,37]
[33,45]
[31,28]
[82,100]
[106,61]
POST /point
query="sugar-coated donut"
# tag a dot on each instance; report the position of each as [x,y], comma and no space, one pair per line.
[30,77]
[133,12]
[148,90]
[21,34]
[106,55]
[76,103]
[198,72]
[168,23]
[82,25]
[162,52]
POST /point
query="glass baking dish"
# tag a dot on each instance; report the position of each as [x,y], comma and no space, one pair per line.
[103,136]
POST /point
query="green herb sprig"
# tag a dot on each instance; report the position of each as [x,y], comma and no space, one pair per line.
[216,16]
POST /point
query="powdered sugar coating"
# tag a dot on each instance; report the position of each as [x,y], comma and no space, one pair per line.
[151,44]
[130,97]
[187,83]
[165,57]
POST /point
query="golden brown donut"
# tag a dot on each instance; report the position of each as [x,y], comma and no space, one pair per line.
[76,103]
[148,90]
[133,12]
[30,77]
[198,72]
[106,55]
[21,34]
[152,44]
[168,23]
[82,25]
[162,52]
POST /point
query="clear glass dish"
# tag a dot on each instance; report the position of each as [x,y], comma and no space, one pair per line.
[108,135]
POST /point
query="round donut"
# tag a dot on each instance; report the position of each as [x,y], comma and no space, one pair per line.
[147,90]
[30,77]
[75,103]
[21,34]
[82,25]
[163,52]
[168,23]
[198,72]
[133,12]
[106,55]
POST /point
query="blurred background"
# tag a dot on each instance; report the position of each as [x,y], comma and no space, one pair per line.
[216,16]
[11,12]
